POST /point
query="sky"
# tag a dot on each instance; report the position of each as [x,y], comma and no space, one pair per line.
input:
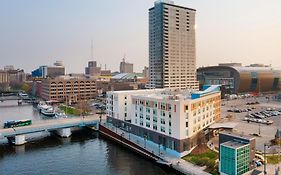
[39,32]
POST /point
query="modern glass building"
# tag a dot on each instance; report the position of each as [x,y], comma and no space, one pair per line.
[234,158]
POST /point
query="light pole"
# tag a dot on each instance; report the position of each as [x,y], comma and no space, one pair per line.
[144,137]
[264,154]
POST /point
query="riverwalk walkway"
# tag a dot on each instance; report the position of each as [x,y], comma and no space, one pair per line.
[165,157]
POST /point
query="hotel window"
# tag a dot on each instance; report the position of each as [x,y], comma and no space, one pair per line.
[155,119]
[147,124]
[163,121]
[186,116]
[148,110]
[141,123]
[147,117]
[162,129]
[154,127]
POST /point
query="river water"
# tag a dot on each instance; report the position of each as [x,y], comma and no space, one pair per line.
[84,153]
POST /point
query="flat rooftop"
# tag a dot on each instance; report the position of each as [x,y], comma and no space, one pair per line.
[234,144]
[233,134]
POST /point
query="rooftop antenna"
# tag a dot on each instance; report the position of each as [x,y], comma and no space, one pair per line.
[124,58]
[92,49]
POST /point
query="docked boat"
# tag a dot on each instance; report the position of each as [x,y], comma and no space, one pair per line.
[60,114]
[40,105]
[47,110]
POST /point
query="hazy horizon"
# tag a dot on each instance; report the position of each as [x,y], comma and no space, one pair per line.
[35,33]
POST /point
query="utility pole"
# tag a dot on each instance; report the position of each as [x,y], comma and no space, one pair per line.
[264,154]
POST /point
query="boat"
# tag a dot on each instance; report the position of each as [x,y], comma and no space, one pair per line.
[47,110]
[40,105]
[60,114]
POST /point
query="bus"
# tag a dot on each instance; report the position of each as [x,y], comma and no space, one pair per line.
[17,123]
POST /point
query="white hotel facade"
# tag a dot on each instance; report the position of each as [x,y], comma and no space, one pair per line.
[170,118]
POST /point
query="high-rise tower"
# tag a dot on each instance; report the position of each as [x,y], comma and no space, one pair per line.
[172,51]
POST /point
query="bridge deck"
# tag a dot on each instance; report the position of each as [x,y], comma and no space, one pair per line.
[49,125]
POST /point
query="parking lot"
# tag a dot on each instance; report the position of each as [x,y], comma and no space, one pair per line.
[263,110]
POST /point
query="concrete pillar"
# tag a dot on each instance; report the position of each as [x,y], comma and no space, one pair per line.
[65,132]
[20,140]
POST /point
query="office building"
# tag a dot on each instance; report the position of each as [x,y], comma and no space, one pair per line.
[145,72]
[235,78]
[172,48]
[4,76]
[16,76]
[225,137]
[170,118]
[68,89]
[234,158]
[44,71]
[92,69]
[126,67]
[8,67]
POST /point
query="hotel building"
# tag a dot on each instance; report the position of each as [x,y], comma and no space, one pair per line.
[68,89]
[172,51]
[170,118]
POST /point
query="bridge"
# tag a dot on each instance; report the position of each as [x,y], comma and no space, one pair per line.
[62,127]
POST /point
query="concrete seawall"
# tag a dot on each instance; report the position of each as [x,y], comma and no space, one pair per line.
[179,165]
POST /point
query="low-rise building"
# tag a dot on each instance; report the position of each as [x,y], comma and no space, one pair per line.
[171,118]
[68,89]
[230,146]
[234,158]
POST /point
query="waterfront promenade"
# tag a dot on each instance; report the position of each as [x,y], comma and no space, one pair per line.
[165,157]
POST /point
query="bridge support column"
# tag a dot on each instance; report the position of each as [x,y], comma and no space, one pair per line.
[65,132]
[20,140]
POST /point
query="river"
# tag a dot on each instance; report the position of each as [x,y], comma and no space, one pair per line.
[85,152]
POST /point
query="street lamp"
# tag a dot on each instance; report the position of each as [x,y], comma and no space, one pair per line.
[144,137]
[264,154]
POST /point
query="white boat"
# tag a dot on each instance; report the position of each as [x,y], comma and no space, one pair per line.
[47,110]
[60,114]
[40,105]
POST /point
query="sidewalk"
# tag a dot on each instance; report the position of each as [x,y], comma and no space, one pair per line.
[175,162]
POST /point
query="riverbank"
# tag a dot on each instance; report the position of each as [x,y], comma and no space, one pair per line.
[147,149]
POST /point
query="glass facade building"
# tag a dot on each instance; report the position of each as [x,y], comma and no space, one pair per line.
[234,158]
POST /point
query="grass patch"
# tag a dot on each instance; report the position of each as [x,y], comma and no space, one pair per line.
[70,110]
[208,159]
[274,159]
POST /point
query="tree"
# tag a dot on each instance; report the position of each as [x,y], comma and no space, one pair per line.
[26,87]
